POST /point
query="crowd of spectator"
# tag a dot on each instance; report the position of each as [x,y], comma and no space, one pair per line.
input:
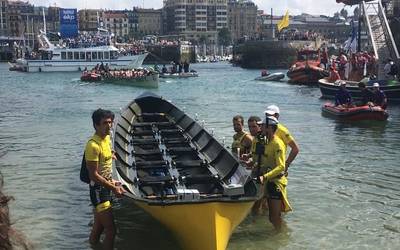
[294,34]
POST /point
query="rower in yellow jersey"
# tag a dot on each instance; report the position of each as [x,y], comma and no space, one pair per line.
[283,133]
[270,168]
[241,140]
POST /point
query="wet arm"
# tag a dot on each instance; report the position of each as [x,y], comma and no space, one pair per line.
[279,168]
[94,175]
[294,150]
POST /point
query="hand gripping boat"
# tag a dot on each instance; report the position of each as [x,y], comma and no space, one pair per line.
[360,113]
[177,172]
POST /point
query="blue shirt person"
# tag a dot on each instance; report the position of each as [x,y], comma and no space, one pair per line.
[379,96]
[343,97]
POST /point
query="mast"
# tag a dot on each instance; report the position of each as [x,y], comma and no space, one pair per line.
[44,22]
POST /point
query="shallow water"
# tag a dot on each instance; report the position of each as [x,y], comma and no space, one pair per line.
[343,186]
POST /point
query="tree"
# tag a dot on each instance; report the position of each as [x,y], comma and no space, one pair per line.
[224,37]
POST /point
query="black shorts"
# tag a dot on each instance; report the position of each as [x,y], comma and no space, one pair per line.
[100,197]
[272,191]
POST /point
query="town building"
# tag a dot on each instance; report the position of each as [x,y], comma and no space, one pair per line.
[89,19]
[242,17]
[148,21]
[331,28]
[196,20]
[3,18]
[117,23]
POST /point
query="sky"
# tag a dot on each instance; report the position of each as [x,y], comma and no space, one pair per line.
[295,7]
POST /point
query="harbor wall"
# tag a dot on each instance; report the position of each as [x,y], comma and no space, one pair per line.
[269,54]
[172,53]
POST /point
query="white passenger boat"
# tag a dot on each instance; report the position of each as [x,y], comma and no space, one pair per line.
[59,59]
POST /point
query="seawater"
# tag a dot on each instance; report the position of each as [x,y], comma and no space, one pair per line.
[344,185]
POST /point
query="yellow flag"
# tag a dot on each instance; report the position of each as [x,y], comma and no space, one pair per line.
[284,22]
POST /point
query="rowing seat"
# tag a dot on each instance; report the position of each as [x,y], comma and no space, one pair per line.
[179,150]
[199,179]
[141,152]
[145,163]
[189,164]
[155,180]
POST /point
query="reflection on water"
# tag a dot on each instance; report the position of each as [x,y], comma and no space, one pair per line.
[343,186]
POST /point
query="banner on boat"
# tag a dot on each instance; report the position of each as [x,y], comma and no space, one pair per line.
[68,23]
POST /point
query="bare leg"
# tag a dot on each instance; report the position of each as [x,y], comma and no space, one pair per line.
[107,220]
[97,229]
[275,207]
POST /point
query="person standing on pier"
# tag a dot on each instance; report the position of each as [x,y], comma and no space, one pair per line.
[98,156]
[284,134]
[241,140]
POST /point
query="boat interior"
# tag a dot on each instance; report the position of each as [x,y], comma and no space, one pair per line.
[164,155]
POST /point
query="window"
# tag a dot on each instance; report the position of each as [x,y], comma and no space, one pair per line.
[106,55]
[114,54]
[94,55]
[76,55]
[88,56]
[63,55]
[70,56]
[82,55]
[100,55]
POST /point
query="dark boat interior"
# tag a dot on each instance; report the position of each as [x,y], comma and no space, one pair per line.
[164,155]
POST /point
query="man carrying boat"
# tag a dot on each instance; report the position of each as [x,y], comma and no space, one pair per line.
[98,156]
[284,134]
[270,168]
[241,140]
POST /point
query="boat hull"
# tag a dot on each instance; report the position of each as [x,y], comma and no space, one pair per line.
[133,61]
[200,226]
[150,81]
[329,90]
[362,113]
[271,77]
[177,75]
[180,174]
[306,75]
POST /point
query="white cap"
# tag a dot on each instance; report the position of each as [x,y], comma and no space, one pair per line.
[272,110]
[271,120]
[375,85]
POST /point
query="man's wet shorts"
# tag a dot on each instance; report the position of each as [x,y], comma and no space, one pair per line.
[273,191]
[100,197]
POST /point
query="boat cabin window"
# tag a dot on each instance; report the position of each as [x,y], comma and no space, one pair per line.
[88,56]
[106,55]
[94,55]
[82,55]
[70,56]
[76,55]
[113,54]
[46,55]
[63,55]
[100,55]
